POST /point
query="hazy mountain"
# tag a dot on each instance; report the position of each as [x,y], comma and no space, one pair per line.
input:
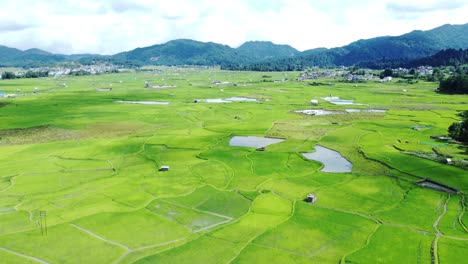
[262,55]
[179,52]
[191,52]
[410,46]
[376,52]
[11,57]
[261,50]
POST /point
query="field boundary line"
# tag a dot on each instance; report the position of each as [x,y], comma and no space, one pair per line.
[248,242]
[281,249]
[369,237]
[159,244]
[91,233]
[24,255]
[435,242]
[191,208]
[463,207]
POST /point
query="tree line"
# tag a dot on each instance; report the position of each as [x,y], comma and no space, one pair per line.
[459,130]
[29,74]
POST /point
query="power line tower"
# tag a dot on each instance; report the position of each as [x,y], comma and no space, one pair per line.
[43,222]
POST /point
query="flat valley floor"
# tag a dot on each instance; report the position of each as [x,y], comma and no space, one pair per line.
[80,178]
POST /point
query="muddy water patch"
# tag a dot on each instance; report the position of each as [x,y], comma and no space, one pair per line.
[252,141]
[332,160]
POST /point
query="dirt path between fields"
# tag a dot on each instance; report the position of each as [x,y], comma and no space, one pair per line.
[24,255]
[435,242]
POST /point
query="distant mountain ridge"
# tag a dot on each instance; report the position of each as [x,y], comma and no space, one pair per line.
[11,57]
[263,55]
[376,52]
[191,52]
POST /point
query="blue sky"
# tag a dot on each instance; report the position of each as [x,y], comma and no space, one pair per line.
[112,26]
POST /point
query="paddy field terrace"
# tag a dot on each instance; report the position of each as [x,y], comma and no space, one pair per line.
[80,178]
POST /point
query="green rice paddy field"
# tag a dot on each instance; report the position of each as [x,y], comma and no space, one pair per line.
[80,179]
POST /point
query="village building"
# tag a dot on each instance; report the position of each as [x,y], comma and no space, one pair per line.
[164,168]
[311,198]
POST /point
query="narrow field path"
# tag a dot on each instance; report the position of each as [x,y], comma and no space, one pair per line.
[89,232]
[281,249]
[463,210]
[369,237]
[375,219]
[127,249]
[192,208]
[435,242]
[24,255]
[293,210]
[160,244]
[212,226]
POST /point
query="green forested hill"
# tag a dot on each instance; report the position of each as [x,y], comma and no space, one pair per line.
[261,50]
[191,52]
[377,52]
[32,57]
[448,57]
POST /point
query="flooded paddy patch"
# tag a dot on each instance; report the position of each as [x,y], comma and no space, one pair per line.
[143,102]
[337,101]
[332,160]
[214,101]
[241,99]
[226,100]
[430,184]
[252,141]
[321,112]
[365,111]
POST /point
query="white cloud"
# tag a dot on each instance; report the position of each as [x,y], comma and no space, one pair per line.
[108,27]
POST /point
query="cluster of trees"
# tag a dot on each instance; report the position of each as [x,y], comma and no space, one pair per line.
[447,57]
[8,75]
[29,74]
[459,130]
[455,84]
[80,73]
[274,65]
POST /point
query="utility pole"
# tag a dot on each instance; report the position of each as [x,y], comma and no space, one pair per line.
[43,222]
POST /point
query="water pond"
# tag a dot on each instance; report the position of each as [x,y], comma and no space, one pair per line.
[332,160]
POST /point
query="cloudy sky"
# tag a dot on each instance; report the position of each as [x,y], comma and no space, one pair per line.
[112,26]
